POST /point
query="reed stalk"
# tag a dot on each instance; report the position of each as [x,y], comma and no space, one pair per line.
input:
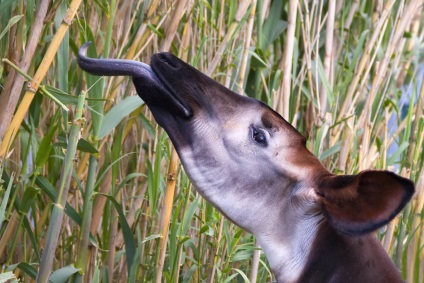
[248,37]
[83,247]
[59,206]
[171,180]
[361,72]
[255,264]
[287,62]
[241,11]
[329,32]
[166,214]
[38,77]
[8,102]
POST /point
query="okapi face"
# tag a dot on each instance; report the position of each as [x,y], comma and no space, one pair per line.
[252,165]
[239,154]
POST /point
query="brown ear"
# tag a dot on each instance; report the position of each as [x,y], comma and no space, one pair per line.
[358,204]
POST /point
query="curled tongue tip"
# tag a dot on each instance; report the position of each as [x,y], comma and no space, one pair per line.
[82,52]
[142,74]
[113,67]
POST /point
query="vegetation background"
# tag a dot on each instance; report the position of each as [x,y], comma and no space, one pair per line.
[91,189]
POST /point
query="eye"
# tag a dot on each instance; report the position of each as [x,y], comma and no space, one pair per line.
[259,136]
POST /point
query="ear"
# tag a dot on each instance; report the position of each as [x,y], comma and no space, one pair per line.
[358,204]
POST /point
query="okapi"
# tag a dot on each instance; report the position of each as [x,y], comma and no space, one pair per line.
[254,167]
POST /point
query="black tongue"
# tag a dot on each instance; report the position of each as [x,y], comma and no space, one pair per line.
[113,67]
[149,87]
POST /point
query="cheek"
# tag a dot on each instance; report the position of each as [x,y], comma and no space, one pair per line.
[291,158]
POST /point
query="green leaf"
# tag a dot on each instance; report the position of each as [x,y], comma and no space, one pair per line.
[317,65]
[155,30]
[228,279]
[117,113]
[28,269]
[83,145]
[277,79]
[62,96]
[62,55]
[208,230]
[189,273]
[147,125]
[5,199]
[45,148]
[63,274]
[128,178]
[245,278]
[130,247]
[330,151]
[135,266]
[257,61]
[152,237]
[51,192]
[408,35]
[32,238]
[396,156]
[95,90]
[97,276]
[29,195]
[4,5]
[11,22]
[273,26]
[188,214]
[242,254]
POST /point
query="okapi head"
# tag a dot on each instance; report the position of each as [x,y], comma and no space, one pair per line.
[254,167]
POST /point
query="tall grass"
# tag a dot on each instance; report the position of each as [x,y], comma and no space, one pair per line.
[346,73]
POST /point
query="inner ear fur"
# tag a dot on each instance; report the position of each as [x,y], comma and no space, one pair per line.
[358,204]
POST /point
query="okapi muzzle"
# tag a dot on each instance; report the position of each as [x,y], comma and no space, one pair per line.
[254,167]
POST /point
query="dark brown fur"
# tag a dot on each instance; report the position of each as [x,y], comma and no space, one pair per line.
[348,259]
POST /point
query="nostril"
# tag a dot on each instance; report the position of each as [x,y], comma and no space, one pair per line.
[168,59]
[165,60]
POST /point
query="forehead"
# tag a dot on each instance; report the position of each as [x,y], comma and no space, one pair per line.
[273,121]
